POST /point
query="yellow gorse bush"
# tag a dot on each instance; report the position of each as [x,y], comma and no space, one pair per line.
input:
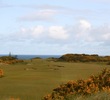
[1,73]
[92,85]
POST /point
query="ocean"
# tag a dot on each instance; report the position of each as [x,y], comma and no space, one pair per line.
[33,56]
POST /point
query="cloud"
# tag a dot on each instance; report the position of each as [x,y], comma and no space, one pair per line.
[81,37]
[50,13]
[33,32]
[106,36]
[46,6]
[84,24]
[58,32]
[37,30]
[5,5]
[40,34]
[106,1]
[101,33]
[97,1]
[83,27]
[82,33]
[40,15]
[80,30]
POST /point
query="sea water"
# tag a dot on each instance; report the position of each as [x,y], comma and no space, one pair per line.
[34,56]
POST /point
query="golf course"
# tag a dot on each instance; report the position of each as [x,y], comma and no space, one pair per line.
[34,79]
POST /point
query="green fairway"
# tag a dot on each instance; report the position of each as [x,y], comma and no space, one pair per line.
[34,79]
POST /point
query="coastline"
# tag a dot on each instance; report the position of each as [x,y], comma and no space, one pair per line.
[26,57]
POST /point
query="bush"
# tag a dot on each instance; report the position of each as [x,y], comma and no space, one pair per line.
[93,84]
[1,73]
[84,58]
[9,60]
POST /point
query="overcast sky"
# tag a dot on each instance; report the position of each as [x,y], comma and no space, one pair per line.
[55,26]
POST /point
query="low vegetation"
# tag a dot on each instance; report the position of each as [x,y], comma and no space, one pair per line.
[84,58]
[1,73]
[108,63]
[90,86]
[96,96]
[9,60]
[33,79]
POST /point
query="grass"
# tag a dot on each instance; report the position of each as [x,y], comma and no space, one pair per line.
[97,96]
[33,80]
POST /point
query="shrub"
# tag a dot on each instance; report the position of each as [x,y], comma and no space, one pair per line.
[84,58]
[9,60]
[1,73]
[93,84]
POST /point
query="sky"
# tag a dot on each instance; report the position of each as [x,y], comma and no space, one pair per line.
[55,27]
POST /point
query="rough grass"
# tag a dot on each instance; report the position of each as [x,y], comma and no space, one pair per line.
[97,96]
[33,80]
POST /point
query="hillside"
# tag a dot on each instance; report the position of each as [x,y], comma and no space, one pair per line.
[84,58]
